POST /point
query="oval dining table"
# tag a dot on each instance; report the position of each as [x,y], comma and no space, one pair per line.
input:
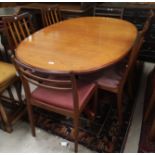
[78,45]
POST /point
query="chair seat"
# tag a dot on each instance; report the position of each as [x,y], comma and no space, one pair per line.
[7,73]
[111,77]
[63,98]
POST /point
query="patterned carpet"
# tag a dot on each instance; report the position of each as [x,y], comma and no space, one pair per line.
[103,135]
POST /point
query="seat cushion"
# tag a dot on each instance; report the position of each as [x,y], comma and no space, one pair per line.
[7,73]
[109,79]
[63,98]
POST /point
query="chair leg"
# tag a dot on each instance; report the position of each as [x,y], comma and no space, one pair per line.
[76,133]
[95,102]
[18,88]
[30,114]
[119,109]
[150,107]
[11,94]
[5,119]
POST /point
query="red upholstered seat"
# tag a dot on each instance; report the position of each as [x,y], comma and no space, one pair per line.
[63,98]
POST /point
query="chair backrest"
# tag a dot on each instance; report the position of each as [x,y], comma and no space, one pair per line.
[51,15]
[17,28]
[56,81]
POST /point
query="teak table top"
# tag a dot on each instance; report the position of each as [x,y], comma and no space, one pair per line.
[80,45]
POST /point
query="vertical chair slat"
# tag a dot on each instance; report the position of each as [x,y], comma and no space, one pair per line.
[49,19]
[21,29]
[52,17]
[56,15]
[26,27]
[12,33]
[46,21]
[17,32]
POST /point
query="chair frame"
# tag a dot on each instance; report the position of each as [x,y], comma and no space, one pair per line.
[17,106]
[26,76]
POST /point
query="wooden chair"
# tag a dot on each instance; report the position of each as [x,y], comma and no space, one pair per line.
[61,93]
[51,15]
[115,78]
[17,28]
[9,80]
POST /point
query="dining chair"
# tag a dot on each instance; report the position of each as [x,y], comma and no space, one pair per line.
[59,92]
[17,28]
[8,81]
[114,78]
[51,15]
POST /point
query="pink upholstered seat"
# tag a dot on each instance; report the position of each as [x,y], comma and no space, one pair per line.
[111,77]
[63,98]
